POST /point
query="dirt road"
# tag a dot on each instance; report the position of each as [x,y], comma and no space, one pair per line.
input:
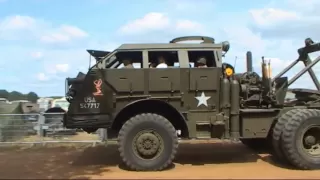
[200,160]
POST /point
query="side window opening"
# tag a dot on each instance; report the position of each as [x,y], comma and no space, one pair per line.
[200,58]
[161,59]
[127,59]
[135,65]
[191,64]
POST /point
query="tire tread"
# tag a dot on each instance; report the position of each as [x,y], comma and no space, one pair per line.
[133,122]
[277,132]
[288,136]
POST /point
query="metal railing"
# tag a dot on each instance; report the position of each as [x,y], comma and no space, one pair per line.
[42,128]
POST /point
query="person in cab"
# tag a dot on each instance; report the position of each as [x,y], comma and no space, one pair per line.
[162,62]
[127,63]
[152,65]
[202,62]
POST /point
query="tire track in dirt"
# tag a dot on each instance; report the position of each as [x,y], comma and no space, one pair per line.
[209,159]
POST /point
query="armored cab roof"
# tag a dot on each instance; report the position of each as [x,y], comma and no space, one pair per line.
[207,42]
[168,46]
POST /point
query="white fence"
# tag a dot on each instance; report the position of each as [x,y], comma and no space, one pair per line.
[42,128]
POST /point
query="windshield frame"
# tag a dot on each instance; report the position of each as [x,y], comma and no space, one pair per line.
[117,61]
[103,60]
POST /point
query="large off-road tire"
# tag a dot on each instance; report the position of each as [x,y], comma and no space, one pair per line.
[147,142]
[301,139]
[256,143]
[277,132]
[2,139]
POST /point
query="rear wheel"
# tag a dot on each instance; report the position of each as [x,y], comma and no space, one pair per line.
[148,142]
[301,139]
[2,139]
[277,132]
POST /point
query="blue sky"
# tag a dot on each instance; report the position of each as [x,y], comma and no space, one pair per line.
[44,41]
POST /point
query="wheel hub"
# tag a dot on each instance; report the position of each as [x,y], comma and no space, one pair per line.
[147,144]
[310,140]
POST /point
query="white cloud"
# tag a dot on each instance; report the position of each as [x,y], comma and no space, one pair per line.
[156,21]
[42,77]
[64,33]
[62,67]
[52,72]
[73,31]
[283,30]
[272,16]
[36,54]
[19,27]
[151,21]
[242,39]
[181,5]
[17,22]
[54,69]
[187,25]
[188,6]
[294,20]
[308,6]
[55,37]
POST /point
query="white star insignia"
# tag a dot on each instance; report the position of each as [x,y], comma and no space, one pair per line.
[202,99]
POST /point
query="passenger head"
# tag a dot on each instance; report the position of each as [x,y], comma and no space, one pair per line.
[161,59]
[152,65]
[202,62]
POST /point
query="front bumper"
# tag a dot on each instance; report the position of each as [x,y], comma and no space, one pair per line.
[87,120]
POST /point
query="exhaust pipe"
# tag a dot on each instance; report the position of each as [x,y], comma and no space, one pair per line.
[249,61]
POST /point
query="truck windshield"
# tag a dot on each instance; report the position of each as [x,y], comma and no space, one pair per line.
[107,60]
[117,59]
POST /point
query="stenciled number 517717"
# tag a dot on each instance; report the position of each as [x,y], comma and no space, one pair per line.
[89,105]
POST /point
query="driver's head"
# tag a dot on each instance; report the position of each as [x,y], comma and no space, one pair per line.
[126,61]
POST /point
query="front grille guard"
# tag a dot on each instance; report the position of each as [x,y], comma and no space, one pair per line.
[67,90]
[66,85]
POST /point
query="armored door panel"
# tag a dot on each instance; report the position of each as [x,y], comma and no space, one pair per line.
[164,80]
[204,78]
[126,80]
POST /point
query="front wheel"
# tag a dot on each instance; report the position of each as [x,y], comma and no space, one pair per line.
[147,142]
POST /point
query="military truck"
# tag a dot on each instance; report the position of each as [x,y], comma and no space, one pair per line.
[148,109]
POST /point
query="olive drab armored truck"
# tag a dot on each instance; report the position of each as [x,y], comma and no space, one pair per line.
[150,95]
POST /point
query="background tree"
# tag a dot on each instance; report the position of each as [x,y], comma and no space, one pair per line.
[4,94]
[32,97]
[15,95]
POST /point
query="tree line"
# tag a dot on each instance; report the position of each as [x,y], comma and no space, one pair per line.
[15,95]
